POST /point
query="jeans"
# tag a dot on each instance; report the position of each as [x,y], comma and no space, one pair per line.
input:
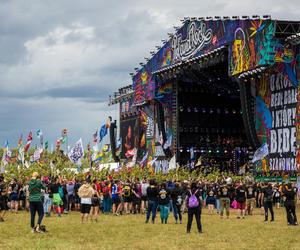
[106,204]
[36,206]
[47,203]
[291,214]
[164,213]
[195,211]
[152,207]
[268,205]
[177,211]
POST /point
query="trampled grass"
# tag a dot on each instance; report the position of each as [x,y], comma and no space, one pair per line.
[130,232]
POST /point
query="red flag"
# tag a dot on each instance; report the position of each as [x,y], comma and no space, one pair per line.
[29,140]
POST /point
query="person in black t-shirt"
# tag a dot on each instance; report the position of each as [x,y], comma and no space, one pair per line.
[152,197]
[176,196]
[164,203]
[289,203]
[250,195]
[240,196]
[211,199]
[224,194]
[3,193]
[267,196]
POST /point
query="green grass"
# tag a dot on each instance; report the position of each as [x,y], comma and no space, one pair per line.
[130,232]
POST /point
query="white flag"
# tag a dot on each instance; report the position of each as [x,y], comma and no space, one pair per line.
[172,163]
[261,153]
[77,152]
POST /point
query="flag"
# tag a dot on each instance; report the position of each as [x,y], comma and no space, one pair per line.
[29,140]
[105,148]
[21,156]
[119,143]
[143,161]
[20,141]
[103,132]
[130,153]
[46,145]
[192,154]
[64,136]
[58,142]
[168,143]
[172,162]
[36,155]
[7,144]
[199,162]
[39,133]
[77,152]
[95,137]
[98,157]
[261,153]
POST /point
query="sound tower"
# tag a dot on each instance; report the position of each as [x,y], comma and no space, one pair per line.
[247,104]
[112,135]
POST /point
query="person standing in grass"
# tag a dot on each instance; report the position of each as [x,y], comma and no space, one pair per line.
[54,188]
[152,197]
[176,196]
[267,197]
[35,202]
[3,193]
[240,197]
[85,192]
[164,203]
[250,195]
[194,206]
[289,194]
[224,194]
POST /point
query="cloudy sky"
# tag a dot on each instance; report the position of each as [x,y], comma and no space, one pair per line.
[60,59]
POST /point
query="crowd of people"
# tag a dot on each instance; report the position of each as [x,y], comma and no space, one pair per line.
[56,196]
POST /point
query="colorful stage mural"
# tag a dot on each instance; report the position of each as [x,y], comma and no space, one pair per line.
[248,44]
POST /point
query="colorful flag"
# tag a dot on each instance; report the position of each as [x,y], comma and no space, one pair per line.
[143,161]
[39,133]
[168,143]
[119,143]
[21,156]
[98,157]
[261,153]
[20,142]
[130,153]
[36,155]
[172,162]
[64,136]
[7,144]
[46,145]
[29,140]
[105,148]
[103,132]
[77,152]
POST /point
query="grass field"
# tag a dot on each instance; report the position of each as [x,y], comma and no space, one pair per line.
[130,232]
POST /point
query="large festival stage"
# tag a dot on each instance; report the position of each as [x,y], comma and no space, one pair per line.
[217,88]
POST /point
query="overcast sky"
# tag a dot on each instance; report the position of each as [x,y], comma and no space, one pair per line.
[60,59]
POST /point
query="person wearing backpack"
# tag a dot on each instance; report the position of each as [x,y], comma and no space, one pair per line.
[194,207]
[127,194]
[164,203]
[267,197]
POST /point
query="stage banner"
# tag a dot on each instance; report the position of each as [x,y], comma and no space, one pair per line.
[127,135]
[283,104]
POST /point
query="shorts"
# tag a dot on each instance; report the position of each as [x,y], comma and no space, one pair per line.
[3,205]
[241,205]
[116,200]
[71,198]
[57,201]
[77,199]
[14,197]
[95,202]
[210,201]
[276,199]
[85,208]
[127,199]
[144,198]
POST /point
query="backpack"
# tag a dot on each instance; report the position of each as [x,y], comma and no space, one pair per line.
[179,200]
[126,191]
[163,194]
[193,201]
[269,195]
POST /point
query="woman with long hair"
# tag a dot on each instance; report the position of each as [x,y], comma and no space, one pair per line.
[95,204]
[194,206]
